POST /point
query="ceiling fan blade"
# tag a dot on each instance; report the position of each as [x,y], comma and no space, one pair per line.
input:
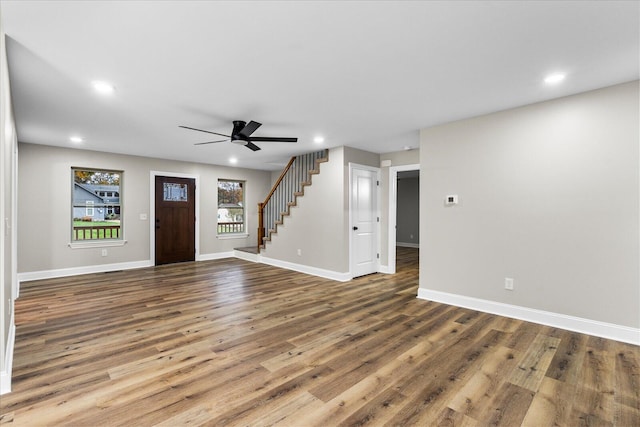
[273,139]
[210,142]
[252,146]
[250,128]
[207,131]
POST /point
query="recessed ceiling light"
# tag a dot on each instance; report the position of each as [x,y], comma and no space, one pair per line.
[318,140]
[554,78]
[103,87]
[76,139]
[233,160]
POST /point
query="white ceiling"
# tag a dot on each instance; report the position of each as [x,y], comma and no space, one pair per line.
[367,74]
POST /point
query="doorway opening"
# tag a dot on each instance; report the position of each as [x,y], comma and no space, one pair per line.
[405,211]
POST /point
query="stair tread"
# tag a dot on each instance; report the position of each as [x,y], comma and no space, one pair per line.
[296,194]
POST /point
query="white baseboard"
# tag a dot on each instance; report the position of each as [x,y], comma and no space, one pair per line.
[571,323]
[75,271]
[5,374]
[247,256]
[102,268]
[218,255]
[385,269]
[408,245]
[314,271]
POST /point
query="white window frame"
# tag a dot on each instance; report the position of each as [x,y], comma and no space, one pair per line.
[232,235]
[90,205]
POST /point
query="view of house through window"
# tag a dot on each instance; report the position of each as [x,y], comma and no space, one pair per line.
[96,205]
[230,207]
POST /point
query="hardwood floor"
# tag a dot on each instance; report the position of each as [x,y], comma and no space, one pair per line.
[230,342]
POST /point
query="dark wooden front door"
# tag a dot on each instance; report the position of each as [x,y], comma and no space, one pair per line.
[175,219]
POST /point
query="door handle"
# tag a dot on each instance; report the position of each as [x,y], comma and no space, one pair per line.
[355,228]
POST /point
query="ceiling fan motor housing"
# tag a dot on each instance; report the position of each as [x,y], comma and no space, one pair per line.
[236,136]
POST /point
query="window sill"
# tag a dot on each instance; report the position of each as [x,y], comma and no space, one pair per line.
[232,236]
[96,244]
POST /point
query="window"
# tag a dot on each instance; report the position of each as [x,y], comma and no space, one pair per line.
[173,192]
[89,204]
[96,206]
[230,207]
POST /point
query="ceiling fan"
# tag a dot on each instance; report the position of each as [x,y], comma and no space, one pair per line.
[241,134]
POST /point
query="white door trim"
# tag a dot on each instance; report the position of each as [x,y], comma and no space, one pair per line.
[393,206]
[152,210]
[353,166]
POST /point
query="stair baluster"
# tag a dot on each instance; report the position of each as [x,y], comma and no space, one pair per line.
[287,188]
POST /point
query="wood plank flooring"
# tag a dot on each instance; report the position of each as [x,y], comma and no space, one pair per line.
[230,342]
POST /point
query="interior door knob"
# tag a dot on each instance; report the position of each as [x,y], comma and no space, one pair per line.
[355,228]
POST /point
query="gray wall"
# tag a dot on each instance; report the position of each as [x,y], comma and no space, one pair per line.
[45,186]
[8,217]
[549,195]
[318,225]
[43,245]
[408,210]
[401,158]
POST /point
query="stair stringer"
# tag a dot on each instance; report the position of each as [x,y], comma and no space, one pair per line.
[314,232]
[296,195]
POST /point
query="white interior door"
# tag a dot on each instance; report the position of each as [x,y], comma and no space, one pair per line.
[364,221]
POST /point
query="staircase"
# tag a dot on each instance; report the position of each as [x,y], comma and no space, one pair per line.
[285,192]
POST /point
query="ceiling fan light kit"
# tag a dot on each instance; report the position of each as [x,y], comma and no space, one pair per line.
[241,135]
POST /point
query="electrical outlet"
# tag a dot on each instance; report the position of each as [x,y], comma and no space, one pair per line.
[508,283]
[104,252]
[299,252]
